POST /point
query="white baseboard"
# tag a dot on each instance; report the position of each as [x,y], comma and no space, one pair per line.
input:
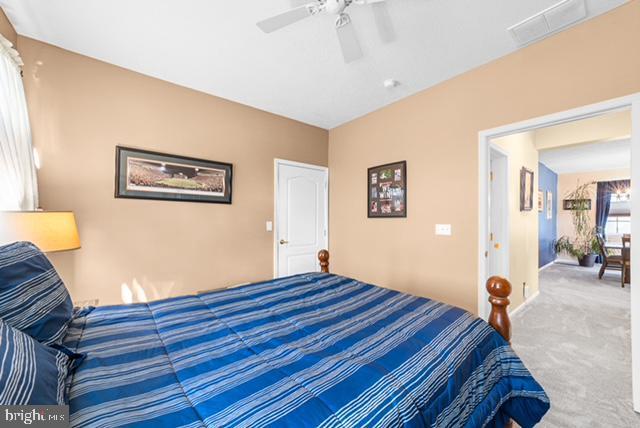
[547,265]
[525,303]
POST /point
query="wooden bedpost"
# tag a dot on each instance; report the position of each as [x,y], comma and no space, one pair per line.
[499,290]
[323,256]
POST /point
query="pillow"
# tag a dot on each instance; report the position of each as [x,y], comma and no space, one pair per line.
[33,298]
[32,373]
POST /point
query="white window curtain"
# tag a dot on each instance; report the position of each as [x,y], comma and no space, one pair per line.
[18,182]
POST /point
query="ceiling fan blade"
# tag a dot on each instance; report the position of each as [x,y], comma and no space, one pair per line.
[351,49]
[383,21]
[277,22]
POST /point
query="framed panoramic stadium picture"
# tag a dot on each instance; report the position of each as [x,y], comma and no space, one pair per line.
[142,174]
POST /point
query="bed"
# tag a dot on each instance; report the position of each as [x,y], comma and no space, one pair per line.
[311,350]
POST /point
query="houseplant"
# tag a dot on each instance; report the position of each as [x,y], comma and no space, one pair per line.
[584,244]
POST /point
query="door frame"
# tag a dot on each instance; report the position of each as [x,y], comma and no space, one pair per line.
[276,178]
[505,255]
[630,103]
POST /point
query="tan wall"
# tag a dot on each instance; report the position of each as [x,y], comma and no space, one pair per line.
[568,182]
[81,109]
[523,225]
[6,29]
[436,131]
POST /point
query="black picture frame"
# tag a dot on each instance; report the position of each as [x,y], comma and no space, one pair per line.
[526,189]
[181,169]
[387,194]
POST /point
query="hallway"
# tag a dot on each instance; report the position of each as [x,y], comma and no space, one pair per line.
[575,339]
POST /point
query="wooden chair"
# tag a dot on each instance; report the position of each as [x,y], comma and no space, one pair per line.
[609,261]
[626,260]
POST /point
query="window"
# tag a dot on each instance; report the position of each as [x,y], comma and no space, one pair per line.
[619,220]
[618,226]
[18,185]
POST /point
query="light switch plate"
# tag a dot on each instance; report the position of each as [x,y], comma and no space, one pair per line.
[443,229]
[269,226]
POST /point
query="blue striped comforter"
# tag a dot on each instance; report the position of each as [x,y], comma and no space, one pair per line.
[313,350]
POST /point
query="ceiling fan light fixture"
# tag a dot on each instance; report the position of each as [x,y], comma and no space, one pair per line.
[347,37]
[342,20]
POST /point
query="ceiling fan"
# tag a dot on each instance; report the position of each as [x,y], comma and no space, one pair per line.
[347,37]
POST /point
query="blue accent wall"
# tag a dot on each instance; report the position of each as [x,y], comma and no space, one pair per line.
[548,228]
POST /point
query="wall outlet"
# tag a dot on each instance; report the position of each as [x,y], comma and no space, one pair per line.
[525,291]
[85,303]
[443,229]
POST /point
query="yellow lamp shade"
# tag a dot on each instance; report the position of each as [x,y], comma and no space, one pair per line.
[50,230]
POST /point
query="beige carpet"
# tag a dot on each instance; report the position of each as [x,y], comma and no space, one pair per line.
[574,338]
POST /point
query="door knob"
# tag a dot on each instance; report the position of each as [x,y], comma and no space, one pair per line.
[283,241]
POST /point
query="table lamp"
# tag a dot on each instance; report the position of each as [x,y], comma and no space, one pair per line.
[51,231]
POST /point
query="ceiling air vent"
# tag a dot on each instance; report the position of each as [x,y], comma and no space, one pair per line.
[548,21]
[565,13]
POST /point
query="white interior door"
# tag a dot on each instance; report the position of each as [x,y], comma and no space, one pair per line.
[301,217]
[498,251]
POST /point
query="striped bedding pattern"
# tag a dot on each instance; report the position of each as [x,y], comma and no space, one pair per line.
[30,373]
[312,350]
[33,298]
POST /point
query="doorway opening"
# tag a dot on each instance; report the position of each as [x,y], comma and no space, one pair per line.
[543,210]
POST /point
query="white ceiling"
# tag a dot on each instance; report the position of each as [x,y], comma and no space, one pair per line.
[214,46]
[589,157]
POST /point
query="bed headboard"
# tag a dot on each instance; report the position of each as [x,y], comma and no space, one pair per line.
[499,291]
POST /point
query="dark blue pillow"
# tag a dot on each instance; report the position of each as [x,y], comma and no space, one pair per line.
[33,298]
[32,373]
